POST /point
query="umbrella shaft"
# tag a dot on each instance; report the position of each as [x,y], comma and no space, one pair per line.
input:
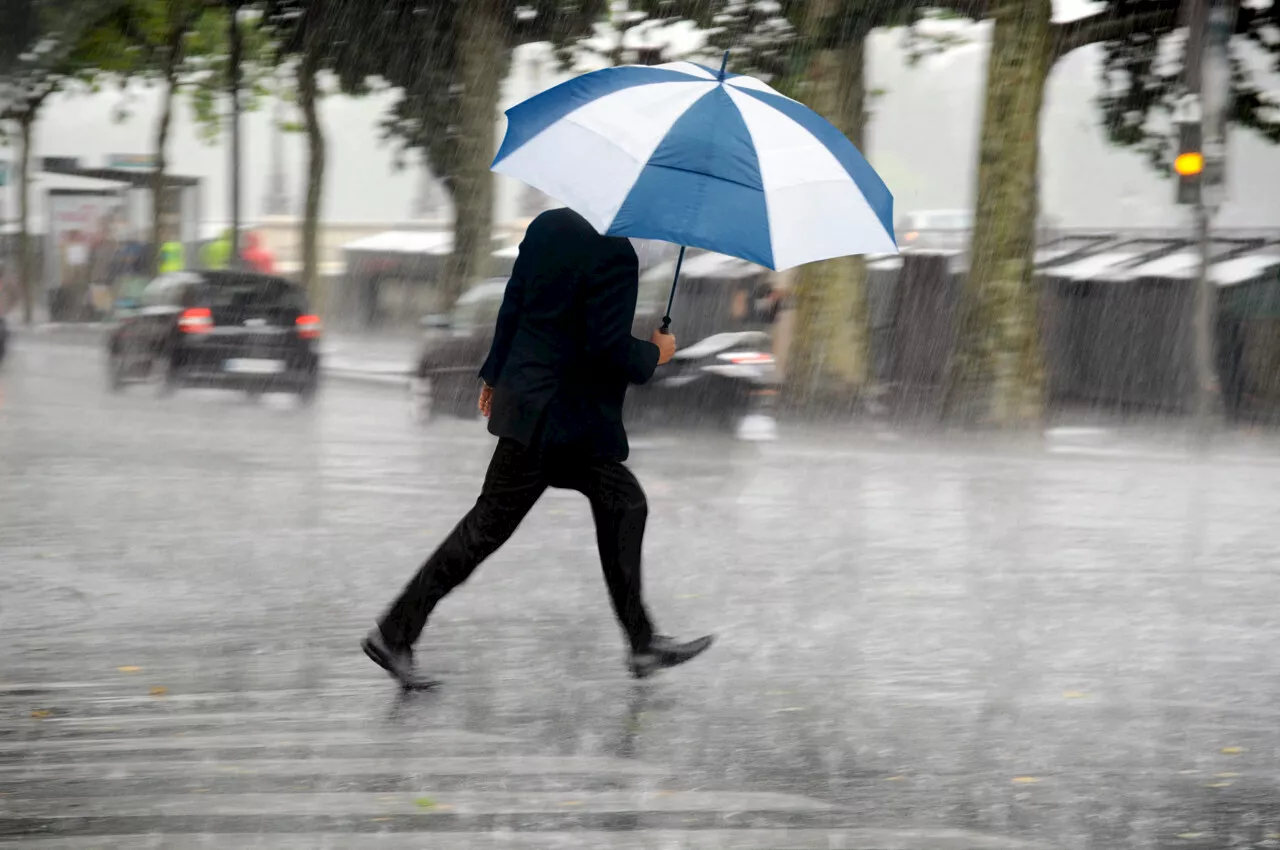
[666,319]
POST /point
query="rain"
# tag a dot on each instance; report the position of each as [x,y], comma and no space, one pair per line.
[951,389]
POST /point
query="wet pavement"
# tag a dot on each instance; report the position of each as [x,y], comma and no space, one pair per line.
[966,643]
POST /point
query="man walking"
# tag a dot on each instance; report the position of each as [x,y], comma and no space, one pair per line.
[554,383]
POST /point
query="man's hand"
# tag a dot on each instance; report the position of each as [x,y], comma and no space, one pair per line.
[666,345]
[486,400]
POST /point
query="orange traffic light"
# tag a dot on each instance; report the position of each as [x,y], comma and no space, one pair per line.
[1189,164]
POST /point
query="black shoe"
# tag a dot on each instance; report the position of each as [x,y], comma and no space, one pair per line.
[664,652]
[397,662]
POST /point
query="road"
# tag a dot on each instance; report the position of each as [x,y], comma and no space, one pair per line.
[923,643]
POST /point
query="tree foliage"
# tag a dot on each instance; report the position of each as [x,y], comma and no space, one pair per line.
[447,61]
[183,44]
[1142,80]
[49,45]
[45,47]
[769,39]
[341,35]
[418,51]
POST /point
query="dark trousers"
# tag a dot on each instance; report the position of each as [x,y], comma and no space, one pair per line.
[517,477]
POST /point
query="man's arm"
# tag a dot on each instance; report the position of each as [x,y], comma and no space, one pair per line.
[504,331]
[610,309]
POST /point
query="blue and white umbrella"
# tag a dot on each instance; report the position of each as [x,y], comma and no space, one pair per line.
[681,153]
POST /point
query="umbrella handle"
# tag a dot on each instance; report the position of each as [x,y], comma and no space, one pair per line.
[666,319]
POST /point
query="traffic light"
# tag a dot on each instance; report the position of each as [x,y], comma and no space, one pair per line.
[1188,166]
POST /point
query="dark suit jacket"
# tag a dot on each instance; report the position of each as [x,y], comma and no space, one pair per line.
[563,353]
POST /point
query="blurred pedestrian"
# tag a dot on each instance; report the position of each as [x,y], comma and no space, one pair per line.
[217,253]
[256,256]
[103,255]
[67,300]
[554,382]
[172,257]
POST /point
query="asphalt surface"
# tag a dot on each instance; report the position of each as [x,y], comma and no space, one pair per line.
[923,643]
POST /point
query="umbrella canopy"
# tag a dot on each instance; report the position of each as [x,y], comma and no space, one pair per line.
[720,161]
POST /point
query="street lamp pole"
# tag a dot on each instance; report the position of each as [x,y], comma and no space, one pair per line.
[234,59]
[1204,319]
[277,199]
[1198,118]
[4,191]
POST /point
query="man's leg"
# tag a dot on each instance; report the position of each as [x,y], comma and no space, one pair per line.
[620,510]
[511,487]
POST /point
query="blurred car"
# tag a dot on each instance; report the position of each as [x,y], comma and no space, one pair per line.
[232,330]
[951,230]
[714,379]
[445,378]
[934,229]
[128,295]
[4,337]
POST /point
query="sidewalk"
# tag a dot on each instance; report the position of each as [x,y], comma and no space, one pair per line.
[373,359]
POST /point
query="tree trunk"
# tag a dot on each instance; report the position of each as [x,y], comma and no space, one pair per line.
[26,270]
[158,193]
[308,95]
[828,360]
[997,371]
[483,57]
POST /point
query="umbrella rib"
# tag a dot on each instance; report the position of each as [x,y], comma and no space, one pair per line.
[711,176]
[645,163]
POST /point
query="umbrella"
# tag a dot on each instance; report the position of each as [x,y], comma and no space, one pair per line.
[700,158]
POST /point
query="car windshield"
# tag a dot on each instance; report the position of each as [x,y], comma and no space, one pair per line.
[130,288]
[249,293]
[478,307]
[950,221]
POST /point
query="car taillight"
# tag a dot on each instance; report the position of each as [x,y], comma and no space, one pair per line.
[196,320]
[308,327]
[740,357]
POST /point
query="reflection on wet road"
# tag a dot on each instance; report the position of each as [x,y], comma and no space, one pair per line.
[922,644]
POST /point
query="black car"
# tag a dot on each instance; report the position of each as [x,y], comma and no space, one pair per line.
[935,230]
[233,330]
[446,376]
